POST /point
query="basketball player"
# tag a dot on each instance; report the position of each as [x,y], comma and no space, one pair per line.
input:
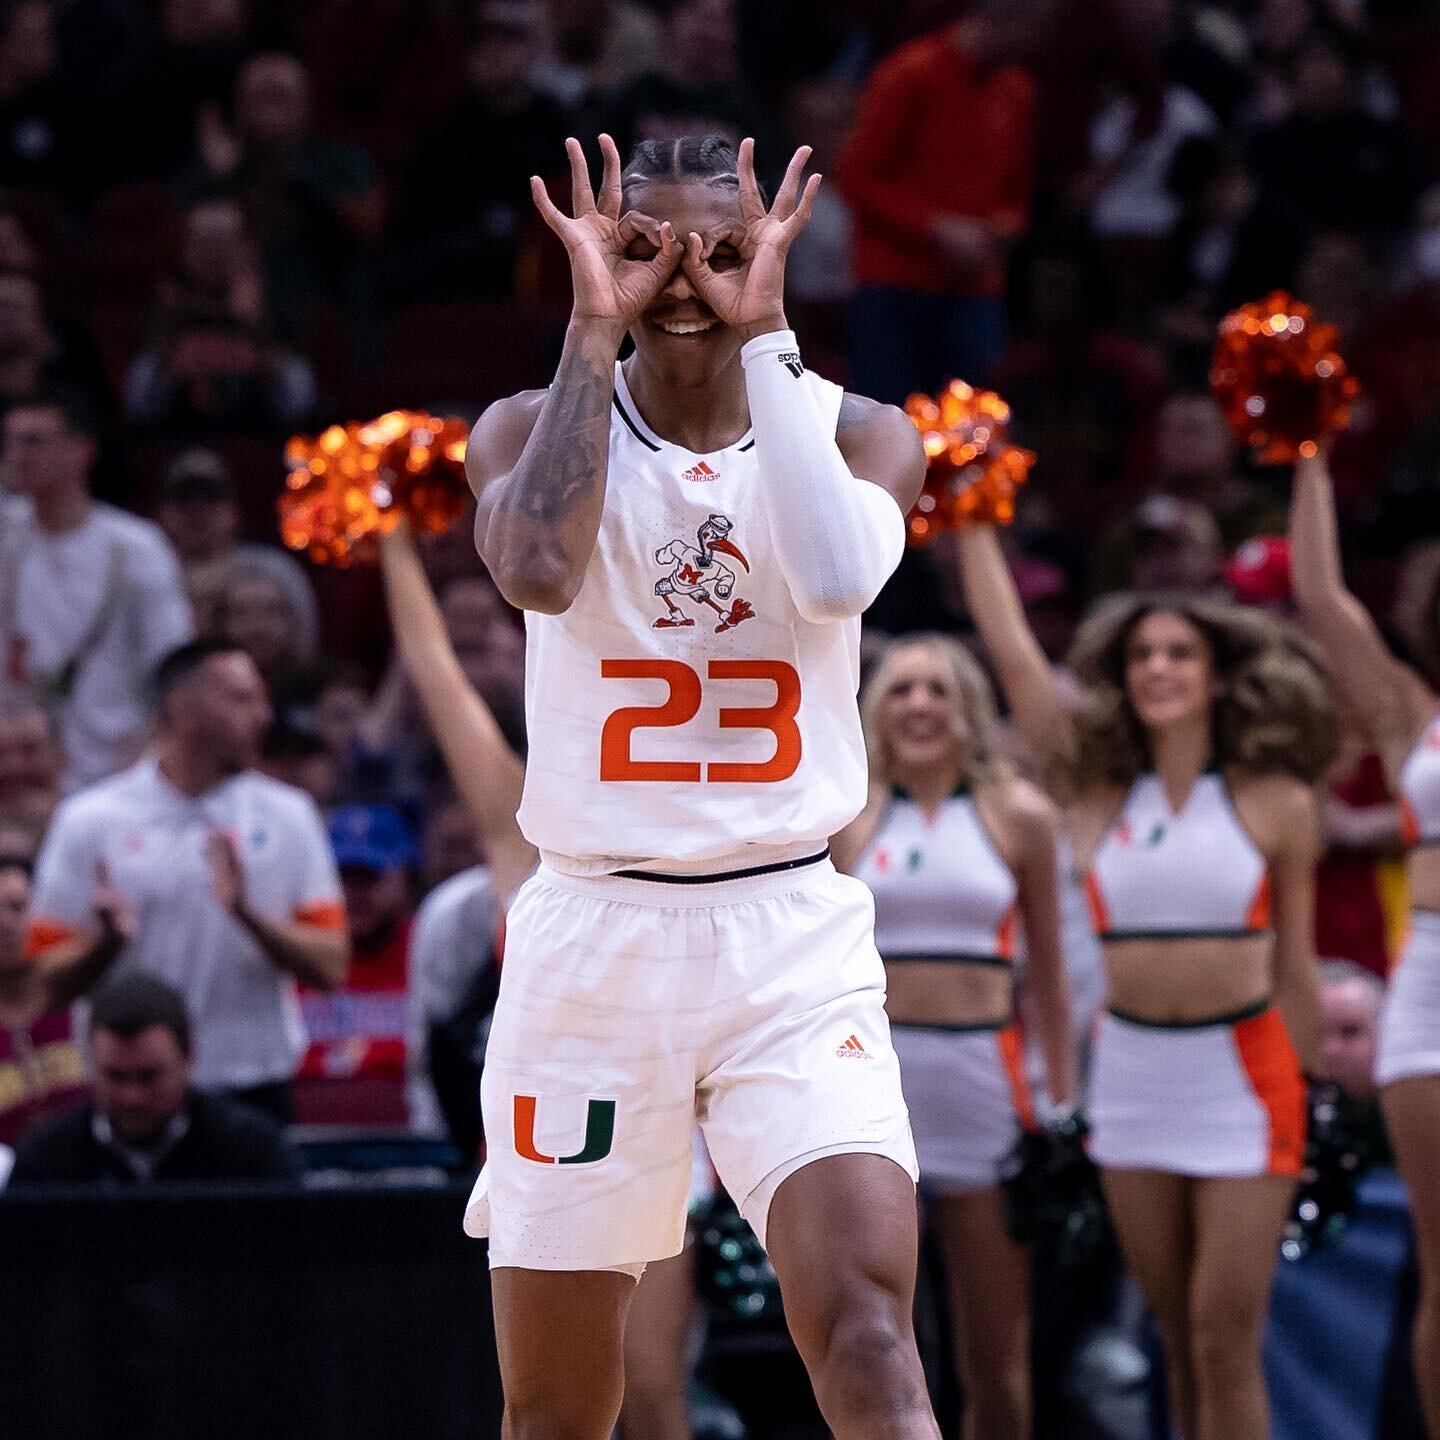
[686,950]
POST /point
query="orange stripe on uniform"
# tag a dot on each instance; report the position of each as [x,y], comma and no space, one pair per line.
[1099,912]
[43,935]
[323,914]
[1005,936]
[1012,1057]
[1258,917]
[1409,825]
[1273,1069]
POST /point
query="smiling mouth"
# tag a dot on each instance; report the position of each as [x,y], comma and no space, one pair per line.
[686,327]
[921,732]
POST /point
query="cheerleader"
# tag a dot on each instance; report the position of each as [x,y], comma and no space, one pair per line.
[1187,765]
[1401,716]
[961,855]
[489,776]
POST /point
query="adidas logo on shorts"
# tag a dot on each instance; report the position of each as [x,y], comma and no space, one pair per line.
[852,1049]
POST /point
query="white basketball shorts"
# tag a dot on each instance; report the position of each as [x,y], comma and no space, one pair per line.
[629,1009]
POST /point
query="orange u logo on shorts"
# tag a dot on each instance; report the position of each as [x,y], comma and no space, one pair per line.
[599,1133]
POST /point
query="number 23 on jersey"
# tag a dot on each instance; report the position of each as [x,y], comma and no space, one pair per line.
[685,692]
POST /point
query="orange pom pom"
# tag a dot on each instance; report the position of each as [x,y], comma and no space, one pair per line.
[353,482]
[1279,378]
[973,471]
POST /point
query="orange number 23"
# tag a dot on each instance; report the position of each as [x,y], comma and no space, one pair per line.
[682,704]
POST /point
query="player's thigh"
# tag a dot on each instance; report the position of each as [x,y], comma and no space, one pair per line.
[806,1067]
[560,1338]
[1238,1225]
[1412,1118]
[588,1091]
[843,1236]
[1150,1210]
[987,1278]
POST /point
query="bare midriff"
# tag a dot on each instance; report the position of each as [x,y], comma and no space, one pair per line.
[1424,871]
[948,992]
[1189,980]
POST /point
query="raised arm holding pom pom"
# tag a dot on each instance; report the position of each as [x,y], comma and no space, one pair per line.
[1401,715]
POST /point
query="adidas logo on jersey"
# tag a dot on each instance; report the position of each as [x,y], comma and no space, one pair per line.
[852,1049]
[700,472]
[790,359]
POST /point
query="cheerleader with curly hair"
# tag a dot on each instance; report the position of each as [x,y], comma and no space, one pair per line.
[1401,717]
[1186,765]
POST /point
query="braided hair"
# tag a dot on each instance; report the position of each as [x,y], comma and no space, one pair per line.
[711,158]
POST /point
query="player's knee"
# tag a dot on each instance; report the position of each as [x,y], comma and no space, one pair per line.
[865,1349]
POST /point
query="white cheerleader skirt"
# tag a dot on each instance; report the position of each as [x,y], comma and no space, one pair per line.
[1409,1041]
[1225,1098]
[968,1098]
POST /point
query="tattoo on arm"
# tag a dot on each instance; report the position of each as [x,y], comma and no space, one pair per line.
[564,462]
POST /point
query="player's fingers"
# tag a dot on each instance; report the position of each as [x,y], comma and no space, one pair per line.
[582,197]
[801,218]
[697,264]
[609,203]
[550,213]
[635,223]
[784,206]
[668,256]
[752,205]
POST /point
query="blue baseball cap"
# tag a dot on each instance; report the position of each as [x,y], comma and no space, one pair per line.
[370,837]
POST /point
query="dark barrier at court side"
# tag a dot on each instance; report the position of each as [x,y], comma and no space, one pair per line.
[256,1313]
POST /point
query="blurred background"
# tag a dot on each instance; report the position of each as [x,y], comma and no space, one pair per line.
[223,222]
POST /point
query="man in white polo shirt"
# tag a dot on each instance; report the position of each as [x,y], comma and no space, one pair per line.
[229,873]
[90,597]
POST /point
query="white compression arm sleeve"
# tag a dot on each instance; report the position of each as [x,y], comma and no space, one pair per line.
[838,538]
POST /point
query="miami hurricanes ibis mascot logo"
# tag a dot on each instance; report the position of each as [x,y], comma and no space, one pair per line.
[696,573]
[599,1133]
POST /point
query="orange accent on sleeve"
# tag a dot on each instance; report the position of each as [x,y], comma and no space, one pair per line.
[1099,913]
[1258,917]
[1005,935]
[44,935]
[1273,1069]
[1012,1057]
[1409,825]
[323,914]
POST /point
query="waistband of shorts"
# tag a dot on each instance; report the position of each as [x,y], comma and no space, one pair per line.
[743,857]
[994,962]
[1211,1022]
[696,892]
[958,1027]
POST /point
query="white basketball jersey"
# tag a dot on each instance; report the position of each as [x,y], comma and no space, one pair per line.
[681,712]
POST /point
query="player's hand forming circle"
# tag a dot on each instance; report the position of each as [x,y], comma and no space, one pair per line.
[751,296]
[609,287]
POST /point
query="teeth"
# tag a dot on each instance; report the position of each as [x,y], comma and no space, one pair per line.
[686,327]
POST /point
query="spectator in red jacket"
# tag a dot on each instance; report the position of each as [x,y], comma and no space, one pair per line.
[938,172]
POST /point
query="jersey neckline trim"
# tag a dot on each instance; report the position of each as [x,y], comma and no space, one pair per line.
[635,423]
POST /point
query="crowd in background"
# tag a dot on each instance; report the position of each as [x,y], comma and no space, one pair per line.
[223,221]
